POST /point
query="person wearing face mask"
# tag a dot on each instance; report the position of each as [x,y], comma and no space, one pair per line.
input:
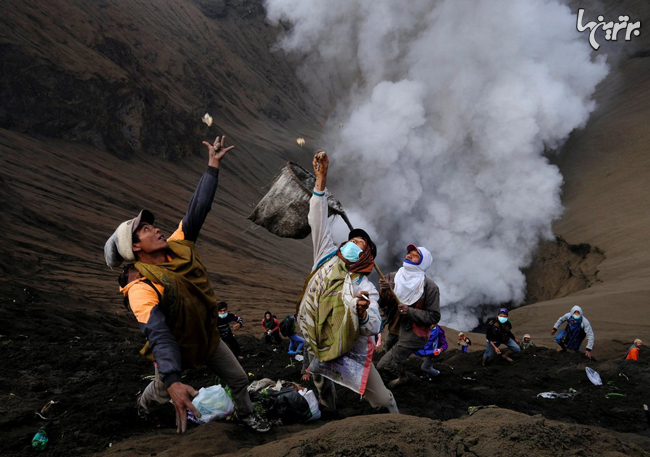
[223,324]
[572,336]
[499,331]
[338,307]
[410,320]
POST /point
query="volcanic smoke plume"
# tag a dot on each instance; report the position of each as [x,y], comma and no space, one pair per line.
[447,108]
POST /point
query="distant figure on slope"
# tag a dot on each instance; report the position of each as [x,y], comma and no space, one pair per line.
[436,345]
[271,328]
[167,288]
[288,329]
[223,323]
[499,331]
[418,309]
[464,342]
[577,328]
[527,342]
[634,353]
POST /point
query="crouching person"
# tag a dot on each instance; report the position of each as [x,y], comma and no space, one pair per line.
[167,287]
[436,345]
[499,331]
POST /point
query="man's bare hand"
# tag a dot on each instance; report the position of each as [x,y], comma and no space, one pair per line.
[306,376]
[236,326]
[403,309]
[217,151]
[362,304]
[182,395]
[385,286]
[321,163]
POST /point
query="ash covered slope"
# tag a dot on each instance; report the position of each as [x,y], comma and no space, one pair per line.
[94,96]
[606,196]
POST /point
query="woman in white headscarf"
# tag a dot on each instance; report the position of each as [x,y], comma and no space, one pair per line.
[409,320]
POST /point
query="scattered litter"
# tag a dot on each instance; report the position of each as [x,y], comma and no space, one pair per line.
[473,409]
[110,444]
[468,378]
[572,390]
[42,417]
[301,142]
[310,396]
[48,406]
[594,377]
[554,395]
[39,442]
[148,377]
[213,403]
[299,357]
[611,385]
[207,119]
[614,394]
[623,375]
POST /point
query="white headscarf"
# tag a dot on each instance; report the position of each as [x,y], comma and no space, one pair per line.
[409,280]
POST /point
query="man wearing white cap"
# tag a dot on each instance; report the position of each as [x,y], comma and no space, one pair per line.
[166,286]
[418,309]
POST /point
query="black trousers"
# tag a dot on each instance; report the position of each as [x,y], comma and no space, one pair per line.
[232,344]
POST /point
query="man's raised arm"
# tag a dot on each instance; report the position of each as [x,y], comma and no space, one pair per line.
[201,201]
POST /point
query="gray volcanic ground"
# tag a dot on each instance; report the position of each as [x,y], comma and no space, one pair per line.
[100,108]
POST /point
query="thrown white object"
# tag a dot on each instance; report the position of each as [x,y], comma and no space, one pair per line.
[594,377]
[207,119]
[301,142]
[213,403]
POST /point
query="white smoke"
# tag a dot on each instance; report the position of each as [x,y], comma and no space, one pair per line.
[447,109]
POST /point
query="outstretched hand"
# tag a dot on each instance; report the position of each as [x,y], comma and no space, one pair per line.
[217,151]
[182,395]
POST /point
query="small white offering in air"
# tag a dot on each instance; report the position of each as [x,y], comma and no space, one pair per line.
[207,119]
[301,141]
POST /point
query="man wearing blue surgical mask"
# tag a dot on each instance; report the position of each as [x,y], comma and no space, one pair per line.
[577,328]
[338,310]
[499,331]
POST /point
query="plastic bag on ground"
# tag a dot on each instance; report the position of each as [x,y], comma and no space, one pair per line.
[310,396]
[594,377]
[554,395]
[213,403]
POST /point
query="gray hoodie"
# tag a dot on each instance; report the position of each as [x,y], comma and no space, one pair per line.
[586,326]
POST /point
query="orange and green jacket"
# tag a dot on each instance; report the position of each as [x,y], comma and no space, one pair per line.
[144,299]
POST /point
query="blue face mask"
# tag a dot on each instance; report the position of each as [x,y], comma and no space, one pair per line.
[351,251]
[503,320]
[223,316]
[576,316]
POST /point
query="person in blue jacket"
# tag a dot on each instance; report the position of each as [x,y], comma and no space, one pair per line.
[436,345]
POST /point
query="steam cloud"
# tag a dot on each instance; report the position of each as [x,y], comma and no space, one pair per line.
[447,109]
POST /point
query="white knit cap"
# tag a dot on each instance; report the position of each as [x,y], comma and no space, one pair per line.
[119,246]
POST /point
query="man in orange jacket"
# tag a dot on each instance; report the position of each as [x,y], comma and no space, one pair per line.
[167,287]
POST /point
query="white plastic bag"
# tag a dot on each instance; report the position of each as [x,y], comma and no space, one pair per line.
[313,404]
[213,403]
[594,377]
